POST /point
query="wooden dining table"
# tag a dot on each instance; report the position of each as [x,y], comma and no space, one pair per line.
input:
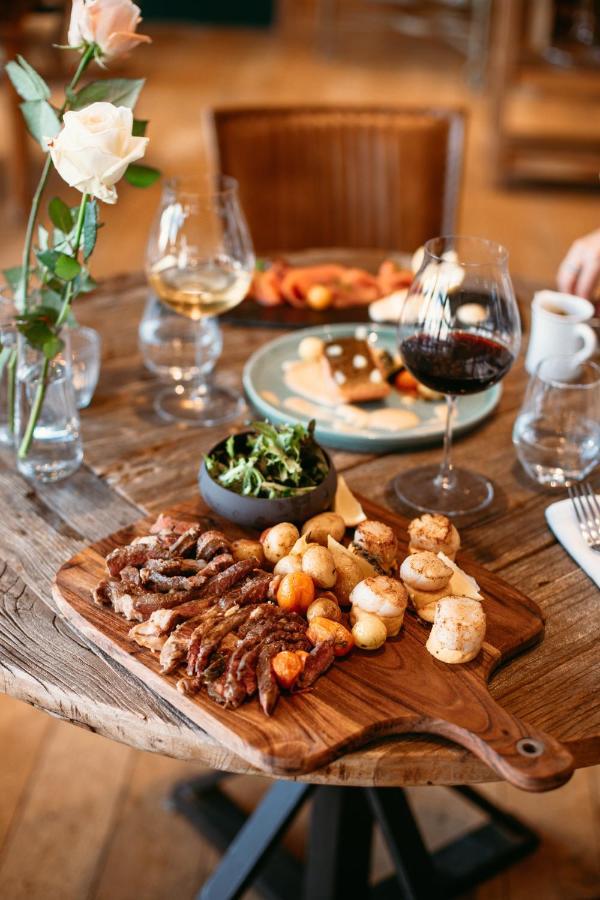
[135,464]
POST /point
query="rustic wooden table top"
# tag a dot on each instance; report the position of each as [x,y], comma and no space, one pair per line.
[135,463]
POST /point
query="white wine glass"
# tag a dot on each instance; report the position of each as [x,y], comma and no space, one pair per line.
[200,261]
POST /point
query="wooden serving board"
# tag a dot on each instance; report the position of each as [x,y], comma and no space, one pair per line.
[398,689]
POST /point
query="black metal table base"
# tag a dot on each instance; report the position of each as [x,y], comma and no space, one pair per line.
[339,844]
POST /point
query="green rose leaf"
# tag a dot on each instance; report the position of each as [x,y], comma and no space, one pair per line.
[60,215]
[139,127]
[141,176]
[120,91]
[41,120]
[48,258]
[90,228]
[84,283]
[66,267]
[26,81]
[13,277]
[37,326]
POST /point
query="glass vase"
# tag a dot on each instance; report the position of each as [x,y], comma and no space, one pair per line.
[52,449]
[8,351]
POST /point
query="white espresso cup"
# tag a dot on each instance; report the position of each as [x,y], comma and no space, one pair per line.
[558,328]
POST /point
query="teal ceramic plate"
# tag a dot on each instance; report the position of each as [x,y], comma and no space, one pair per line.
[267,393]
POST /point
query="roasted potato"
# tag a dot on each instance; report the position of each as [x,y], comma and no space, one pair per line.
[278,541]
[247,549]
[369,632]
[318,562]
[321,527]
[349,572]
[290,563]
[325,608]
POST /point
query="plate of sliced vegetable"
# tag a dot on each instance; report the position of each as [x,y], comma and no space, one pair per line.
[349,379]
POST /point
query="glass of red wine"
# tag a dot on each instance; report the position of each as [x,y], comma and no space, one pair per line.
[459,334]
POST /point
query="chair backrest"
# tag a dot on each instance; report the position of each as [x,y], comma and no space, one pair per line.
[345,176]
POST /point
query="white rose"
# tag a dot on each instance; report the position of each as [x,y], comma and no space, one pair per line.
[94,147]
[111,24]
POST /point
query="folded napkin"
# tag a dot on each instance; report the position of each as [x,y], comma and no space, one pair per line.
[563,522]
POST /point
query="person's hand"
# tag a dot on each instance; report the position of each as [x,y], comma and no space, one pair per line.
[579,272]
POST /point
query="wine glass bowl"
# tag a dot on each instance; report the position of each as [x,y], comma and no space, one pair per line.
[459,333]
[200,262]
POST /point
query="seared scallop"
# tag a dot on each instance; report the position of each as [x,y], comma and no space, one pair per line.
[376,541]
[425,571]
[458,629]
[434,533]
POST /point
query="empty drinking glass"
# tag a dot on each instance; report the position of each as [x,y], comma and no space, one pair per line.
[176,348]
[85,363]
[557,432]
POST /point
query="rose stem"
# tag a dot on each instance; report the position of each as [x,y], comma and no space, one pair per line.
[21,300]
[41,388]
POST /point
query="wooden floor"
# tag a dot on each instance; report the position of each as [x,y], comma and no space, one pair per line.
[81,817]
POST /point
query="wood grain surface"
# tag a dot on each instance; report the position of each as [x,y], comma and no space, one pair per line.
[398,689]
[136,464]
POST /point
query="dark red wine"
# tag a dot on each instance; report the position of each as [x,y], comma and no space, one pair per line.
[460,363]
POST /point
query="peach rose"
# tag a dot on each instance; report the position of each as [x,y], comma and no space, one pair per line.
[111,24]
[94,148]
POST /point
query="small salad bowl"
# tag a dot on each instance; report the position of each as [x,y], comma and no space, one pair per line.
[260,512]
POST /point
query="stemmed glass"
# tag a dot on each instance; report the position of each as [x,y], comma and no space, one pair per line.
[200,261]
[459,333]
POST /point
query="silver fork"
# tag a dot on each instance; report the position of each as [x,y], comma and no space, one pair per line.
[587,510]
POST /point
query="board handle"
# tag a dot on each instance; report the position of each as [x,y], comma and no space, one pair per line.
[524,756]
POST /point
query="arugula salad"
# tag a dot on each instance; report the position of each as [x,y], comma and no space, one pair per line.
[269,461]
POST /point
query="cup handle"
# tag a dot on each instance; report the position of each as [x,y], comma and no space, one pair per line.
[589,343]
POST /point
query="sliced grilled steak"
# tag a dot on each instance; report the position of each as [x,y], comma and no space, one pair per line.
[178,643]
[169,524]
[131,577]
[241,667]
[176,566]
[100,594]
[189,686]
[164,583]
[135,554]
[225,580]
[214,636]
[212,543]
[268,690]
[317,662]
[186,543]
[148,602]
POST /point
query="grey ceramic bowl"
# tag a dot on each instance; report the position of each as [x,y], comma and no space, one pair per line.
[258,512]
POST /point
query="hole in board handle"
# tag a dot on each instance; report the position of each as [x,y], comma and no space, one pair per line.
[530,747]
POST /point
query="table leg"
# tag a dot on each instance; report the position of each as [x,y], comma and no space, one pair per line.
[248,850]
[339,845]
[415,871]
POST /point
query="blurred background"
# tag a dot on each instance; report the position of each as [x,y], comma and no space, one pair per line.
[526,72]
[84,817]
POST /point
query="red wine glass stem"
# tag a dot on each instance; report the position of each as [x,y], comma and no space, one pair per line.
[446,479]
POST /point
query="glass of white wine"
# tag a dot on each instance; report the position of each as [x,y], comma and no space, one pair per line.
[200,261]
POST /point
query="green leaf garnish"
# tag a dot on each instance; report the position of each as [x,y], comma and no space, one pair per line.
[269,461]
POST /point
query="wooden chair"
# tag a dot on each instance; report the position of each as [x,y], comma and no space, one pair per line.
[342,176]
